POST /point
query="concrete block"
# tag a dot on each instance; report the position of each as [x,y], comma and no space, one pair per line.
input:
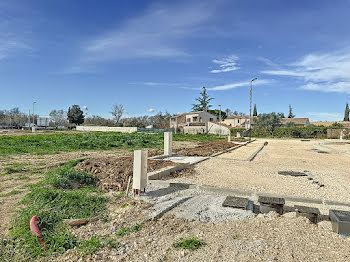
[271,200]
[229,138]
[267,208]
[236,202]
[168,142]
[340,221]
[33,129]
[309,212]
[140,170]
[238,134]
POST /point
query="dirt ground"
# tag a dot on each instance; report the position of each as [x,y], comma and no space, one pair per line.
[263,238]
[32,170]
[112,173]
[205,148]
[324,164]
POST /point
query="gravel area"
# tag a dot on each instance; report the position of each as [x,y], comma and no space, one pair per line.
[327,173]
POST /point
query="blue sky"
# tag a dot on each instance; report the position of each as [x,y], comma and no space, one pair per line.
[158,54]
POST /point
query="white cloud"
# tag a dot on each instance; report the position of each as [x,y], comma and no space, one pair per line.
[324,116]
[266,61]
[226,64]
[321,72]
[157,33]
[150,110]
[240,84]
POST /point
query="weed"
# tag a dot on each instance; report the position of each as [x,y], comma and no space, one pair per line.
[235,236]
[11,193]
[90,246]
[124,205]
[52,205]
[15,168]
[126,230]
[192,243]
[23,177]
[56,143]
[119,195]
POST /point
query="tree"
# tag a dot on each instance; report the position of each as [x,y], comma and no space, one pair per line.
[228,112]
[98,121]
[290,115]
[203,100]
[117,112]
[57,116]
[346,114]
[216,112]
[75,115]
[269,121]
[255,112]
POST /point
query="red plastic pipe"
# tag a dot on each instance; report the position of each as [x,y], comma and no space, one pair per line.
[36,231]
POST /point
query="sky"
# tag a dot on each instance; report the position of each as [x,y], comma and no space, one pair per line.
[153,56]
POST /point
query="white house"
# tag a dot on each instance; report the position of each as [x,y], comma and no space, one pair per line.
[193,118]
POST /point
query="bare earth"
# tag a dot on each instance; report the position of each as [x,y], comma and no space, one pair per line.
[327,172]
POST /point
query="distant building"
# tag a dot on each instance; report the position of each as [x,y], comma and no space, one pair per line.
[239,121]
[193,118]
[296,121]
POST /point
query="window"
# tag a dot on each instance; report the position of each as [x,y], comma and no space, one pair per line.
[238,121]
[211,119]
[188,119]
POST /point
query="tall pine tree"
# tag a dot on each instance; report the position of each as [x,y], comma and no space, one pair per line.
[346,114]
[290,115]
[203,100]
[255,112]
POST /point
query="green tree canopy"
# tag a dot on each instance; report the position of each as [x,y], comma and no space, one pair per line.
[255,112]
[203,100]
[346,114]
[75,115]
[290,114]
[269,121]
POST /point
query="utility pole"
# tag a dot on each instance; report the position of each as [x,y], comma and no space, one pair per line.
[33,112]
[250,109]
[220,121]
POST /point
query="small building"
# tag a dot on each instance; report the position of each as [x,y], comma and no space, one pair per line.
[239,121]
[187,119]
[296,121]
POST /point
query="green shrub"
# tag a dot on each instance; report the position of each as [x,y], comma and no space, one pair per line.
[192,243]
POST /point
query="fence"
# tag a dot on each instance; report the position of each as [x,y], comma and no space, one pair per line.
[155,130]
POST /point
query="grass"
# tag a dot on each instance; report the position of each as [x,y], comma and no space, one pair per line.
[127,230]
[15,168]
[11,193]
[192,243]
[55,143]
[88,247]
[53,200]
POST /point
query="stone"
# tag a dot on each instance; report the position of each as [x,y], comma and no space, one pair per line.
[236,202]
[291,173]
[340,221]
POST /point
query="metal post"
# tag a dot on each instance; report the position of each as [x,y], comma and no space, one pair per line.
[33,112]
[250,109]
[220,121]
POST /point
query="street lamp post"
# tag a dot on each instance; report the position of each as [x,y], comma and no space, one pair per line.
[220,121]
[33,112]
[250,109]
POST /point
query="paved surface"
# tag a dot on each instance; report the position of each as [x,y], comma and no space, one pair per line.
[327,172]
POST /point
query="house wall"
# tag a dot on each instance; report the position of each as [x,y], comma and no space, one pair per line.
[236,122]
[107,129]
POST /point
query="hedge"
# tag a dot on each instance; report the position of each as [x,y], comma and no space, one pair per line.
[288,132]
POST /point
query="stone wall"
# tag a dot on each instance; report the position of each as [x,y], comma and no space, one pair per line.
[107,129]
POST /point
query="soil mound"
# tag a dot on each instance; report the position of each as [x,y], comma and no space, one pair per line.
[205,148]
[112,173]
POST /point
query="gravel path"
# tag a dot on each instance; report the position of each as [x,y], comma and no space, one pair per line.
[327,171]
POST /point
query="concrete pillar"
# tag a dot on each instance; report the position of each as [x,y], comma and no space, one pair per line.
[238,134]
[168,142]
[33,129]
[341,135]
[229,137]
[140,171]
